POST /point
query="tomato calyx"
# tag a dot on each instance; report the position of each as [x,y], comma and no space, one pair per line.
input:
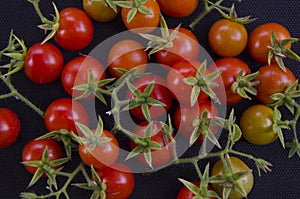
[279,51]
[157,43]
[47,25]
[135,6]
[244,84]
[110,3]
[202,82]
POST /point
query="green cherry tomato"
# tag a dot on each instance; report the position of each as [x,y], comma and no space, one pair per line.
[256,124]
[237,166]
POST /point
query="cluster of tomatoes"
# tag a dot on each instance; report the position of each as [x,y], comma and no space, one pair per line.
[193,85]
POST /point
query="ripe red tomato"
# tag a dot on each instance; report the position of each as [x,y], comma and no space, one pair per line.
[227,38]
[260,39]
[10,127]
[43,63]
[230,68]
[159,157]
[185,193]
[99,11]
[63,113]
[185,47]
[76,72]
[143,23]
[34,150]
[76,29]
[101,156]
[179,89]
[126,54]
[185,115]
[178,8]
[160,92]
[119,181]
[272,80]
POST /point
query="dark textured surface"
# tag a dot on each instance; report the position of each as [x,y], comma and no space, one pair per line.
[282,182]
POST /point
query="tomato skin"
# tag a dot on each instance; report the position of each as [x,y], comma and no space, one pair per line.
[160,92]
[185,47]
[63,113]
[126,54]
[10,127]
[76,29]
[185,115]
[256,124]
[178,8]
[99,10]
[43,63]
[231,67]
[259,40]
[76,72]
[175,81]
[142,23]
[119,181]
[227,38]
[237,166]
[159,157]
[184,193]
[272,80]
[34,149]
[100,157]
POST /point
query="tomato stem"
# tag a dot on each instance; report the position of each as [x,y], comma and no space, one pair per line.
[38,10]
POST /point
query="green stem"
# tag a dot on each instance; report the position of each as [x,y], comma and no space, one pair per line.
[38,10]
[294,123]
[242,154]
[195,163]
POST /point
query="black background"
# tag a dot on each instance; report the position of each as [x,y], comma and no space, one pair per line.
[19,15]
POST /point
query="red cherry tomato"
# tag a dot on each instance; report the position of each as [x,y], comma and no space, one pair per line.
[34,149]
[143,23]
[185,115]
[178,8]
[101,156]
[159,157]
[10,127]
[76,29]
[126,54]
[185,47]
[185,193]
[76,72]
[43,63]
[227,38]
[260,39]
[179,89]
[272,80]
[159,92]
[119,181]
[63,113]
[230,68]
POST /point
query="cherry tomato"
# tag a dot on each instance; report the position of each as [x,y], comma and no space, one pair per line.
[76,72]
[185,47]
[256,124]
[143,23]
[230,68]
[178,8]
[99,11]
[119,181]
[159,92]
[76,29]
[272,80]
[260,39]
[185,115]
[34,149]
[10,127]
[227,38]
[126,54]
[43,63]
[185,193]
[63,113]
[237,166]
[101,156]
[159,157]
[175,81]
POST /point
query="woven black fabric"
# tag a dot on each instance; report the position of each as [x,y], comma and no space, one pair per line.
[19,15]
